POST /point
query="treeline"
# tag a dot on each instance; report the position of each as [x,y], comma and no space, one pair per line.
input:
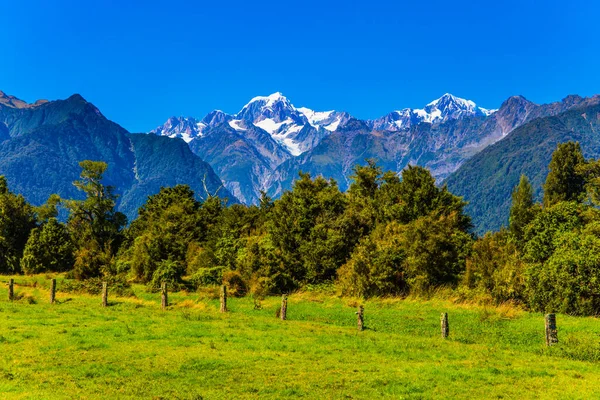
[387,235]
[549,257]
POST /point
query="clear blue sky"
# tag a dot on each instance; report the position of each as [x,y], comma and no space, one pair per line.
[143,61]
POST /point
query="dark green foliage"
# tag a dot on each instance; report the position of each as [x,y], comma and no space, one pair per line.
[377,264]
[94,223]
[568,281]
[420,236]
[169,272]
[435,248]
[49,248]
[167,225]
[523,209]
[541,233]
[565,181]
[17,219]
[306,229]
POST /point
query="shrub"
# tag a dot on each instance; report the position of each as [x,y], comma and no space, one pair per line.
[568,281]
[169,272]
[207,276]
[236,286]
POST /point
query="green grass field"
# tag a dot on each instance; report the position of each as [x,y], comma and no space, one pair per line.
[133,349]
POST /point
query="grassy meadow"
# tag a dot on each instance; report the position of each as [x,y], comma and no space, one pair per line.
[133,349]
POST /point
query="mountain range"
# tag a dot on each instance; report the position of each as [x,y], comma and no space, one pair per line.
[269,141]
[479,153]
[42,143]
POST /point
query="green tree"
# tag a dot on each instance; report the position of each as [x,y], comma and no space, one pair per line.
[568,281]
[495,268]
[565,181]
[95,225]
[307,229]
[541,233]
[522,210]
[49,248]
[376,266]
[17,219]
[158,240]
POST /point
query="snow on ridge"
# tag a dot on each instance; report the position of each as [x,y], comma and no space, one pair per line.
[235,124]
[269,125]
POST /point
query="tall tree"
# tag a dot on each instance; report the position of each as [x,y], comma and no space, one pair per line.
[94,223]
[522,209]
[565,182]
[17,219]
[167,224]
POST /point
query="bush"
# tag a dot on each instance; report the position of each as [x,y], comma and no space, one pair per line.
[568,281]
[169,272]
[207,276]
[495,268]
[236,286]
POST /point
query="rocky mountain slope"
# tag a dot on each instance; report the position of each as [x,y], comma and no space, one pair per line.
[41,145]
[487,179]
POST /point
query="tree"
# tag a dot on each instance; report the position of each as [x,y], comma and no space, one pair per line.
[49,248]
[541,232]
[158,240]
[522,210]
[568,281]
[376,266]
[307,229]
[565,182]
[95,225]
[17,219]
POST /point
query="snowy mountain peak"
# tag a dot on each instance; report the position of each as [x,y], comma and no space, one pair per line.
[186,128]
[269,101]
[440,110]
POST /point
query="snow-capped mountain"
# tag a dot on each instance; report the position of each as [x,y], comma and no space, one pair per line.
[438,111]
[297,130]
[270,138]
[189,128]
[294,128]
[186,128]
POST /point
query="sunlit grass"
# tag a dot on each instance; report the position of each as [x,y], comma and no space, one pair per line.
[132,349]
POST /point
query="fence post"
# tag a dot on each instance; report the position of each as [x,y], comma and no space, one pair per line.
[223,298]
[361,318]
[283,314]
[11,289]
[104,294]
[445,325]
[551,330]
[52,291]
[164,296]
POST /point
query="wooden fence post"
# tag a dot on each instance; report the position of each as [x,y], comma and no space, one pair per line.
[551,330]
[52,291]
[445,325]
[223,298]
[361,318]
[11,289]
[104,294]
[283,314]
[164,296]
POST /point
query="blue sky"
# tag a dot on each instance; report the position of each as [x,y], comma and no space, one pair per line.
[143,61]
